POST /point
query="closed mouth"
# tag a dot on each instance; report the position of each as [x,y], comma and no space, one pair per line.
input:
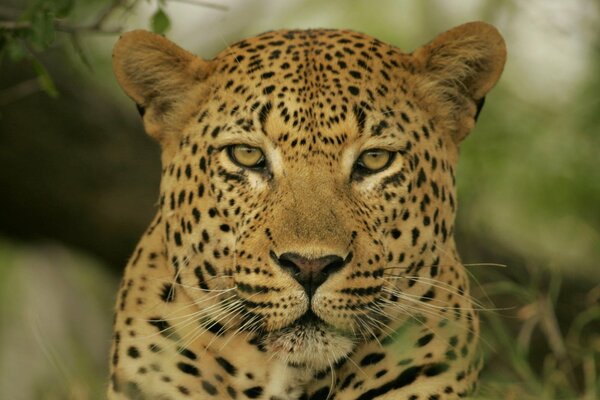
[309,318]
[309,342]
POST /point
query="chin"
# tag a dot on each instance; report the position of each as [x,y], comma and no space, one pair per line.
[309,343]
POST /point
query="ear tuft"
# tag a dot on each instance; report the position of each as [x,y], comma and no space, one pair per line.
[458,68]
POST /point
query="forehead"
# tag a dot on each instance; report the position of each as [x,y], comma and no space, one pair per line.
[314,88]
[329,47]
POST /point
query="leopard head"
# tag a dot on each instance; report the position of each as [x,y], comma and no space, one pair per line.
[301,167]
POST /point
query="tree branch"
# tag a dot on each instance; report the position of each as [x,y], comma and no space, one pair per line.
[206,4]
[14,25]
[19,91]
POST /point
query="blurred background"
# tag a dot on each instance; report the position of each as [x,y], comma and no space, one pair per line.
[79,179]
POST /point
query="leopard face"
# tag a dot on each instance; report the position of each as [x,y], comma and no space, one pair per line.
[308,193]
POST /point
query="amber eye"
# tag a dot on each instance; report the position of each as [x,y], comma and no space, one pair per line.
[374,160]
[246,156]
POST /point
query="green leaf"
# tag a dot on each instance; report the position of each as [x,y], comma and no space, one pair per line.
[14,49]
[44,79]
[160,22]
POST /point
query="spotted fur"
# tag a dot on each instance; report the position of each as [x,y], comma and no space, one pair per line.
[307,278]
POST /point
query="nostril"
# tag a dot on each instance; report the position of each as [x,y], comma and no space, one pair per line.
[333,266]
[286,263]
[289,266]
[310,272]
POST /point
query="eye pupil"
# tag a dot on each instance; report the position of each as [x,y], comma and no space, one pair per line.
[374,160]
[246,156]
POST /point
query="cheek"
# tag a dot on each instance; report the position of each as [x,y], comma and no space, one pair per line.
[256,182]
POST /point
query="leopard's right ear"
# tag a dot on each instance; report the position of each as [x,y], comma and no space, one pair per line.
[159,76]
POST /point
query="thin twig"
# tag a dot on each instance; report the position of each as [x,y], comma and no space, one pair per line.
[59,26]
[14,25]
[79,50]
[107,13]
[206,4]
[20,90]
[8,12]
[86,29]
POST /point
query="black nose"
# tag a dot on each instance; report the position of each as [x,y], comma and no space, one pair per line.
[309,272]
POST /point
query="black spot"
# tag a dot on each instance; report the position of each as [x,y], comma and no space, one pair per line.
[209,388]
[453,341]
[227,366]
[188,369]
[415,236]
[224,228]
[435,268]
[359,114]
[187,353]
[428,296]
[154,348]
[196,214]
[268,89]
[232,393]
[423,340]
[201,281]
[254,392]
[396,233]
[168,293]
[347,381]
[133,352]
[164,328]
[183,390]
[136,258]
[177,238]
[421,178]
[320,394]
[372,358]
[436,369]
[378,129]
[406,377]
[216,328]
[210,269]
[381,373]
[263,114]
[353,90]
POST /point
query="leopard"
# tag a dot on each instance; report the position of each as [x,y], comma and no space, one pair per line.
[303,244]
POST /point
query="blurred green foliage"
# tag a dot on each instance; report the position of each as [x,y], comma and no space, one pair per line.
[55,319]
[26,33]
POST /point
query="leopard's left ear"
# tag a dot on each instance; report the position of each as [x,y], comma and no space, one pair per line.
[456,71]
[159,76]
